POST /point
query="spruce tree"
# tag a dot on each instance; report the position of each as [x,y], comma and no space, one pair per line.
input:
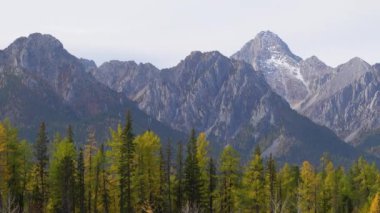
[81,184]
[126,167]
[167,176]
[211,185]
[179,188]
[42,157]
[193,182]
[271,184]
[229,180]
[254,184]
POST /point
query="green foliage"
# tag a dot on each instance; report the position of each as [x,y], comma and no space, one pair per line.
[193,184]
[229,180]
[134,174]
[62,176]
[253,190]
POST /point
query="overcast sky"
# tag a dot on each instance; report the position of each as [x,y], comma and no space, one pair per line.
[164,31]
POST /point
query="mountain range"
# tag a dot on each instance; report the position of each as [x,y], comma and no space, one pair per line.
[262,95]
[41,81]
[343,98]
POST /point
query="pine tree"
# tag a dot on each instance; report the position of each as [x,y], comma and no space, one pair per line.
[289,178]
[102,184]
[42,160]
[212,183]
[70,134]
[203,161]
[81,184]
[89,164]
[126,167]
[179,186]
[62,176]
[193,182]
[168,175]
[149,178]
[272,184]
[254,184]
[14,167]
[229,182]
[308,188]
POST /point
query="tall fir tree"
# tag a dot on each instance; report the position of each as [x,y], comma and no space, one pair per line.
[81,182]
[179,186]
[203,159]
[271,181]
[126,166]
[193,183]
[168,176]
[253,190]
[42,159]
[90,151]
[229,180]
[212,183]
[62,177]
[149,177]
[308,188]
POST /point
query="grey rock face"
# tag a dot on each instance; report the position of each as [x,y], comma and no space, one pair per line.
[228,100]
[268,54]
[41,81]
[343,99]
[347,101]
[113,75]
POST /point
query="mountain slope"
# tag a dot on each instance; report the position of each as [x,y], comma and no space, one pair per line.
[348,102]
[40,80]
[344,99]
[232,103]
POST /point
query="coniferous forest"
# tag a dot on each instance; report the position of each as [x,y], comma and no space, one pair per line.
[137,173]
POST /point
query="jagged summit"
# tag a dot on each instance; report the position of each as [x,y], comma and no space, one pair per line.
[314,59]
[36,40]
[355,63]
[270,55]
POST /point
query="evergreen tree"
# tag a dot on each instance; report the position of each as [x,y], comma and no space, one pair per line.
[102,184]
[193,184]
[272,184]
[126,167]
[42,160]
[253,198]
[62,177]
[179,186]
[289,178]
[149,172]
[70,134]
[229,182]
[114,157]
[203,161]
[212,183]
[89,164]
[168,176]
[81,183]
[14,168]
[308,188]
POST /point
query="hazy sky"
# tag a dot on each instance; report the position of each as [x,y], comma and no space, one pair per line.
[164,31]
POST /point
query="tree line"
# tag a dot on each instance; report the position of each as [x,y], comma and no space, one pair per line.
[136,173]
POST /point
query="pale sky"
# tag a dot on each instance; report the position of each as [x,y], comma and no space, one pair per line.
[165,31]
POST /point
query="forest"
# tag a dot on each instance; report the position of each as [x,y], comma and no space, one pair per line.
[139,173]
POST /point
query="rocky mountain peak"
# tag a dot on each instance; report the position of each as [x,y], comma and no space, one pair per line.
[314,60]
[196,56]
[356,63]
[269,54]
[40,41]
[267,40]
